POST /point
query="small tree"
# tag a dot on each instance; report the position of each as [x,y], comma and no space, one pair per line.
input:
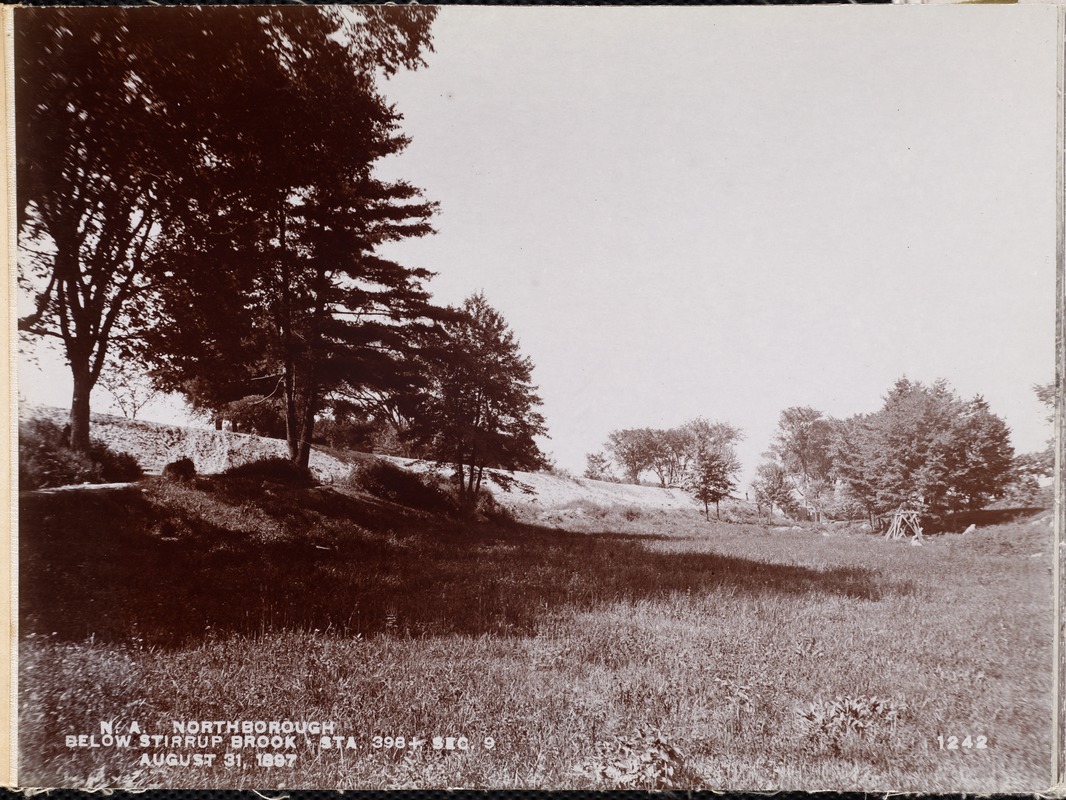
[598,468]
[710,477]
[772,488]
[633,450]
[130,388]
[481,408]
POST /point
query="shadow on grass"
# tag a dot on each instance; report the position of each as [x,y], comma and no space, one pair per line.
[958,522]
[169,566]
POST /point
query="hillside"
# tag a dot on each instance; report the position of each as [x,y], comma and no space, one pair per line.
[155,445]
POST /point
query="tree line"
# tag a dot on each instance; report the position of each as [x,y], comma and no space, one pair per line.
[925,448]
[198,195]
[698,456]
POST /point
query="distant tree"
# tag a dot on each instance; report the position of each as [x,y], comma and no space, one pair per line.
[855,450]
[1046,394]
[1030,469]
[710,476]
[128,386]
[633,450]
[984,458]
[772,487]
[598,468]
[1042,464]
[669,452]
[803,445]
[480,412]
[925,448]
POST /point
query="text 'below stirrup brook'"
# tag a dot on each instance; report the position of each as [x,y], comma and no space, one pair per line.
[237,744]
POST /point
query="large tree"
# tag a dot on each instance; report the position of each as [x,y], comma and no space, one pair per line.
[96,151]
[481,410]
[282,289]
[925,448]
[139,134]
[803,445]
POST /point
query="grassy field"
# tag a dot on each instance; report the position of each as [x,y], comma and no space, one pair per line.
[634,649]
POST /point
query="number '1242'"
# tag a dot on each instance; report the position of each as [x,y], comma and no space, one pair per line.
[968,742]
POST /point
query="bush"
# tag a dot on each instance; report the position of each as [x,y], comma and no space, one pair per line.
[115,467]
[182,470]
[46,460]
[645,761]
[277,470]
[390,482]
[828,722]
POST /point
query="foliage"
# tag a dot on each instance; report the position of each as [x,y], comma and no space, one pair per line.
[199,205]
[274,470]
[46,459]
[182,470]
[773,488]
[263,416]
[712,465]
[289,268]
[803,443]
[390,482]
[647,760]
[1042,464]
[668,452]
[830,721]
[709,480]
[480,410]
[349,433]
[115,467]
[598,468]
[631,450]
[803,446]
[926,448]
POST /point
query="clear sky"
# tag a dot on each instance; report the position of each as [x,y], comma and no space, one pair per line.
[723,212]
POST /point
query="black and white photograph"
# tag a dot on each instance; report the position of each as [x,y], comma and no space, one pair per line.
[416,397]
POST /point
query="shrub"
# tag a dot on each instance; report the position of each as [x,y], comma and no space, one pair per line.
[115,467]
[645,761]
[829,722]
[277,470]
[46,460]
[181,470]
[390,482]
[490,508]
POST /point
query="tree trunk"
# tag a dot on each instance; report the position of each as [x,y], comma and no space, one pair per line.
[717,511]
[292,426]
[467,501]
[307,430]
[79,408]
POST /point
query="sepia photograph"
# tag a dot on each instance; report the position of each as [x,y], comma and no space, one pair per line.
[417,397]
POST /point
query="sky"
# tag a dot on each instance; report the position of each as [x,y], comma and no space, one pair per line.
[724,212]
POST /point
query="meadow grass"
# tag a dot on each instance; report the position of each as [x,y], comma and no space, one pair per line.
[633,650]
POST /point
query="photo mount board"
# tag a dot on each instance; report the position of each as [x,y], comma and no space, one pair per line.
[612,763]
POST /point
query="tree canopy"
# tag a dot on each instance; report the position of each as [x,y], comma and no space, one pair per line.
[925,448]
[480,408]
[198,142]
